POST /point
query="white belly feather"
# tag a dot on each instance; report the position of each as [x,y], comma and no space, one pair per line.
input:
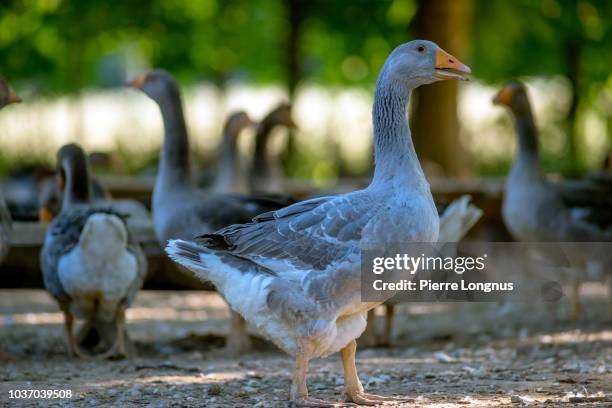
[100,269]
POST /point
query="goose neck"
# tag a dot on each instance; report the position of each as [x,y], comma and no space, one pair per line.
[75,173]
[394,154]
[174,161]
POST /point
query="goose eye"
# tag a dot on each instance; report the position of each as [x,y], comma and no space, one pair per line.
[420,48]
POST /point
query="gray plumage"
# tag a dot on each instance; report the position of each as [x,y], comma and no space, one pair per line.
[180,209]
[295,273]
[90,262]
[536,208]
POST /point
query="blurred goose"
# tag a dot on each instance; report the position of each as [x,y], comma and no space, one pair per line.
[7,96]
[295,273]
[180,209]
[231,174]
[50,197]
[266,170]
[455,221]
[538,209]
[90,263]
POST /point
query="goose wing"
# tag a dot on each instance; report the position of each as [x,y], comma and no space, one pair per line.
[590,197]
[62,236]
[309,235]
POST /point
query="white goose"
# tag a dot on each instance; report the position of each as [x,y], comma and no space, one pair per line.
[295,273]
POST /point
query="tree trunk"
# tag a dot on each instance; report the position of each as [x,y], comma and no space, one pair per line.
[435,125]
[572,55]
[295,9]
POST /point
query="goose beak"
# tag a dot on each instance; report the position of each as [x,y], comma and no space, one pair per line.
[503,97]
[13,97]
[449,67]
[137,82]
[45,215]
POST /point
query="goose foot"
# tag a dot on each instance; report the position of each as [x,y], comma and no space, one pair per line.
[238,341]
[363,398]
[353,390]
[315,402]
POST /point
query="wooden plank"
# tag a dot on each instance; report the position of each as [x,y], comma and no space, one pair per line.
[32,234]
[141,187]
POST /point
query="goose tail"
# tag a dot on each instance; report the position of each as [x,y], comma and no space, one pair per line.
[458,218]
[189,255]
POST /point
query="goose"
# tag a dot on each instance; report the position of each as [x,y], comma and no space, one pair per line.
[50,198]
[91,264]
[180,209]
[7,97]
[456,220]
[561,211]
[266,170]
[231,174]
[295,273]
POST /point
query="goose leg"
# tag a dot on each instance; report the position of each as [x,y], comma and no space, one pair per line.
[299,389]
[119,349]
[73,348]
[576,307]
[609,295]
[353,390]
[389,315]
[368,338]
[238,340]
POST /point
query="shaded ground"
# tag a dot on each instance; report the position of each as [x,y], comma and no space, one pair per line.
[444,355]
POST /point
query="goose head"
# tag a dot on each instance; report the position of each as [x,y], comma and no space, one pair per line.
[157,84]
[7,94]
[280,116]
[73,173]
[514,96]
[237,122]
[422,62]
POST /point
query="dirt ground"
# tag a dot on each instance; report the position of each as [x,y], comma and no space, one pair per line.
[444,355]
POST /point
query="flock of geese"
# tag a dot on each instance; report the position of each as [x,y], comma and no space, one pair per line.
[290,269]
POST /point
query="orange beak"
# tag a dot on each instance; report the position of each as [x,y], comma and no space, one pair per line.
[13,97]
[45,215]
[449,67]
[138,82]
[503,97]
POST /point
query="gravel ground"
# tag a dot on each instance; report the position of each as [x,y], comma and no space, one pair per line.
[444,355]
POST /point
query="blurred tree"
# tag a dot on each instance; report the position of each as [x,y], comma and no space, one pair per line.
[572,38]
[62,46]
[435,125]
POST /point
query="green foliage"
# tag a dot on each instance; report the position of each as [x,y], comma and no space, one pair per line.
[533,38]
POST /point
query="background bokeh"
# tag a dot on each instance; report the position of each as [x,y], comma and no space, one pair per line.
[68,59]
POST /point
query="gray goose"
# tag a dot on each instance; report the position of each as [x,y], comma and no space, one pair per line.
[266,170]
[7,97]
[90,263]
[231,174]
[50,197]
[180,209]
[536,209]
[295,273]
